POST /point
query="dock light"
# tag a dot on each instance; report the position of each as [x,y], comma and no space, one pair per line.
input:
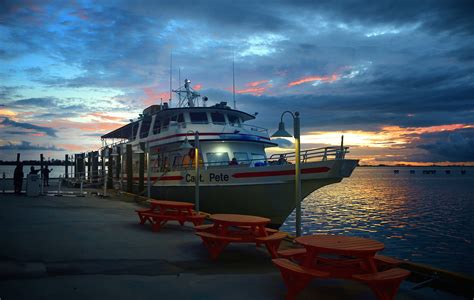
[281,132]
[186,146]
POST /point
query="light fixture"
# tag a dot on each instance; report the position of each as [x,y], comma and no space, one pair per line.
[139,151]
[186,145]
[281,132]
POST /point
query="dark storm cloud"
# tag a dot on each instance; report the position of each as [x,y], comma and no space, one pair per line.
[439,16]
[27,146]
[449,146]
[47,130]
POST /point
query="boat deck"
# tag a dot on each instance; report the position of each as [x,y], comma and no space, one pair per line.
[94,248]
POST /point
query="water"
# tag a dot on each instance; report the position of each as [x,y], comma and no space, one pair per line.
[423,218]
[57,170]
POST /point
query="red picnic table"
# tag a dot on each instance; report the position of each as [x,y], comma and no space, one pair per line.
[233,228]
[161,211]
[333,256]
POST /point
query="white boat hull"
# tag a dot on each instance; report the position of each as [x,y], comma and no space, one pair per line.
[264,191]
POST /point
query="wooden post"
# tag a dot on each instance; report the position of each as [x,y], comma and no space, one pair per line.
[128,167]
[95,166]
[17,158]
[66,166]
[118,162]
[141,169]
[110,171]
[89,166]
[41,165]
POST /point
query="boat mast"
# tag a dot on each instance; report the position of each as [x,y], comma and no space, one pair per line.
[171,74]
[233,79]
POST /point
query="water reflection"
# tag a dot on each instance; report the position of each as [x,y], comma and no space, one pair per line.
[423,218]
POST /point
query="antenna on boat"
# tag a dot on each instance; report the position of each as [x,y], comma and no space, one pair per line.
[233,79]
[171,74]
[179,82]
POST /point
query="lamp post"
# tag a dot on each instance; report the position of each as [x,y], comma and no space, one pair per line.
[187,145]
[281,132]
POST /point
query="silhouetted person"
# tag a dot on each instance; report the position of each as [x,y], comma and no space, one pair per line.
[18,178]
[233,162]
[33,171]
[282,160]
[46,172]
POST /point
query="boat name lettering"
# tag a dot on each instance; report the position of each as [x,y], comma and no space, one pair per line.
[213,177]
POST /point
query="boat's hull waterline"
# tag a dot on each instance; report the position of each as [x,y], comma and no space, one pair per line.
[264,191]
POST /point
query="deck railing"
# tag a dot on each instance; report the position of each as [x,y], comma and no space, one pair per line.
[324,153]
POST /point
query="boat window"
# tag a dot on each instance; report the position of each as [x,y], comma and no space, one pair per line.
[242,157]
[217,118]
[166,123]
[180,118]
[157,126]
[198,117]
[217,158]
[233,119]
[134,131]
[145,127]
[258,159]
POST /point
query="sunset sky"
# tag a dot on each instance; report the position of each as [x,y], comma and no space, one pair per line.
[395,77]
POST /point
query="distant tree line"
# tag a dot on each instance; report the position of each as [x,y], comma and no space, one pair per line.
[52,162]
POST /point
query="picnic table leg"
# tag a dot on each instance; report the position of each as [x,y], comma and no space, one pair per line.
[295,284]
[214,247]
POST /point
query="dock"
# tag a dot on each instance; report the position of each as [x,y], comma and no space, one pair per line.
[93,248]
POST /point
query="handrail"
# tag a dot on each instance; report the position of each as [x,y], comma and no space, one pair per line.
[324,153]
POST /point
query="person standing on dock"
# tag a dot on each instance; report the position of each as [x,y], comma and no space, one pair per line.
[33,171]
[46,172]
[18,178]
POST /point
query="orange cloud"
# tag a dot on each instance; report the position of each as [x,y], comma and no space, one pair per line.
[106,117]
[331,78]
[154,97]
[7,113]
[74,147]
[256,83]
[93,126]
[256,91]
[255,87]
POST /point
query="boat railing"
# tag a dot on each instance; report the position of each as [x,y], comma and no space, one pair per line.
[323,154]
[233,125]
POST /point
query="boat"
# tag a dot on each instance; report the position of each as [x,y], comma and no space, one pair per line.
[236,174]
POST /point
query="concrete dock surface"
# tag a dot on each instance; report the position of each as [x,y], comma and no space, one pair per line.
[94,248]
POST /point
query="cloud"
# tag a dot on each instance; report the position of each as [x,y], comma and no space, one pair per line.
[454,147]
[284,143]
[47,130]
[28,146]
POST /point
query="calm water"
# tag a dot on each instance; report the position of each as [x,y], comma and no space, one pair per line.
[423,218]
[57,171]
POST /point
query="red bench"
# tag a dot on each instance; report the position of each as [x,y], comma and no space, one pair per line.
[296,253]
[384,284]
[216,243]
[272,242]
[158,219]
[296,277]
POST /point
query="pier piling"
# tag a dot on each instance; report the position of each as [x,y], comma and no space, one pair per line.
[110,164]
[128,167]
[95,166]
[118,163]
[141,169]
[89,166]
[17,158]
[66,166]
